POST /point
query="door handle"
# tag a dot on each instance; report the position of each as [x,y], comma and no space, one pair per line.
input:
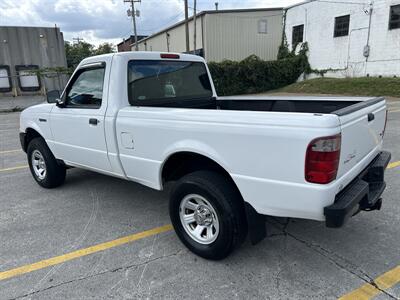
[93,121]
[371,117]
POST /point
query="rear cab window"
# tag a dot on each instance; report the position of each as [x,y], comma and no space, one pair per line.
[167,83]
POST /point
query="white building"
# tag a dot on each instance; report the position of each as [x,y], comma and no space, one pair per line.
[224,34]
[352,38]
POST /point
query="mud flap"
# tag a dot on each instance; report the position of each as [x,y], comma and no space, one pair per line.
[256,224]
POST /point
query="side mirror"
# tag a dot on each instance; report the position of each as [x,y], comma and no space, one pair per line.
[60,103]
[53,96]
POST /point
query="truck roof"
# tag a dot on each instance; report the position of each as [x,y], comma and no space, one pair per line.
[146,55]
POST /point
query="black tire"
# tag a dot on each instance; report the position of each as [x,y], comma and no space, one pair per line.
[55,172]
[228,204]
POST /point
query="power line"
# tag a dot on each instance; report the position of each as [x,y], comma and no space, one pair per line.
[166,23]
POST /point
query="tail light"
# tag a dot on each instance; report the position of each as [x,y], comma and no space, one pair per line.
[322,159]
[169,55]
[384,128]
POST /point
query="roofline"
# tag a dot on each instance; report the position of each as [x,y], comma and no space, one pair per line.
[298,4]
[209,12]
[20,26]
[132,36]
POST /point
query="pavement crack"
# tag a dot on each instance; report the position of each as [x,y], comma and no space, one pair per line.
[336,259]
[98,274]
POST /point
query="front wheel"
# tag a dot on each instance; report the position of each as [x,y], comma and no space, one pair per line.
[44,167]
[208,215]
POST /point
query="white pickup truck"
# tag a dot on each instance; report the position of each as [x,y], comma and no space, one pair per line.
[154,117]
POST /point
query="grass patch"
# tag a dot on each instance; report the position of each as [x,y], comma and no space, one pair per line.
[365,86]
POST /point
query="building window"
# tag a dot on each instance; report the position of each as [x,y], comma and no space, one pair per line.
[342,25]
[394,20]
[262,26]
[297,34]
[5,79]
[27,78]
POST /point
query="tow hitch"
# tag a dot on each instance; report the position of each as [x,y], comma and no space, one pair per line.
[363,193]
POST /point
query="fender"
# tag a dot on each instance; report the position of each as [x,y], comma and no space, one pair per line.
[196,147]
[255,221]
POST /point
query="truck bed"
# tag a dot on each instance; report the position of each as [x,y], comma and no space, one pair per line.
[307,104]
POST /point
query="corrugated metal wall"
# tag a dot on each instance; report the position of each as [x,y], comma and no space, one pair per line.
[177,40]
[227,35]
[39,46]
[235,36]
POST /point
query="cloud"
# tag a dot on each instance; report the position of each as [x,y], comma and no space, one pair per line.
[106,20]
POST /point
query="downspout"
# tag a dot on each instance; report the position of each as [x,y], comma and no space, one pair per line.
[202,36]
[348,46]
[305,24]
[368,35]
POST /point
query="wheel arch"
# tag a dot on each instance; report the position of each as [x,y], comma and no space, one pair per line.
[182,163]
[30,134]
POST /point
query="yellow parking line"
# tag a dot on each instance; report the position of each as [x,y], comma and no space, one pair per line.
[83,252]
[393,164]
[396,110]
[10,151]
[368,290]
[14,168]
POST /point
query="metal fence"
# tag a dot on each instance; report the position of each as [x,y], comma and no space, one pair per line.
[31,82]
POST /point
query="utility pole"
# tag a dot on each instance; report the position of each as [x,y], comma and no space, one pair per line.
[194,27]
[77,40]
[187,26]
[133,15]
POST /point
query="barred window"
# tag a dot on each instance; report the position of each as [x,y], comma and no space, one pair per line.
[297,34]
[394,20]
[342,25]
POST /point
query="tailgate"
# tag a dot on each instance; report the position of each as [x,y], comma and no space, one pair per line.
[362,128]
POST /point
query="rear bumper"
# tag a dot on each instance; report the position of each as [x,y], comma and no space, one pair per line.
[363,193]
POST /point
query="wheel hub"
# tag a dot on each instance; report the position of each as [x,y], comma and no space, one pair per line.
[39,165]
[199,219]
[203,216]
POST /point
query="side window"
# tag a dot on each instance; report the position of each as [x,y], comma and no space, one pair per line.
[262,26]
[86,90]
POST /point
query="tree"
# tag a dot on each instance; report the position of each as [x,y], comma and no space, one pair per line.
[104,49]
[76,52]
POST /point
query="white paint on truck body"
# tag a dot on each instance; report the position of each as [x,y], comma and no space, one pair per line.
[263,151]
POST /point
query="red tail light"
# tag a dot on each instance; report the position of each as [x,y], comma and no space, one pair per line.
[169,55]
[322,159]
[384,128]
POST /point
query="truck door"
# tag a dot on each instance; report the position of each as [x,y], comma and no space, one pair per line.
[78,124]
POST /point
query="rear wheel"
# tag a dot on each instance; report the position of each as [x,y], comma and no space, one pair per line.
[208,214]
[44,167]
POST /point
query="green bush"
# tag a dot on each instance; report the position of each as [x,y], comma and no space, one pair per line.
[254,75]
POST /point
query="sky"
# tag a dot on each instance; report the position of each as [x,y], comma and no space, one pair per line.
[98,21]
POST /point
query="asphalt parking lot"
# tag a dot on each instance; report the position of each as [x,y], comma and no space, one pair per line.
[66,242]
